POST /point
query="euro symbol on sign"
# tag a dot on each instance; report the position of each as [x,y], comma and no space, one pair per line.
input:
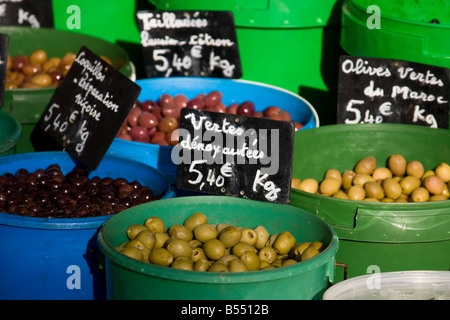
[385,109]
[196,52]
[73,117]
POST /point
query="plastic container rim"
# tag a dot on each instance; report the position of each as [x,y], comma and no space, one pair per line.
[212,277]
[395,19]
[392,275]
[250,82]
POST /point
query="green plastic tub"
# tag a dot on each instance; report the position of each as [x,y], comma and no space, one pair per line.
[291,44]
[131,279]
[27,105]
[405,32]
[10,134]
[376,236]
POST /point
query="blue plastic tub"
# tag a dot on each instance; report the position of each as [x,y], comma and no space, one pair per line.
[57,258]
[262,95]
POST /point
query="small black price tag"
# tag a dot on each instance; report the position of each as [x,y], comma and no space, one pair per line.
[29,13]
[89,107]
[375,90]
[4,43]
[235,155]
[189,43]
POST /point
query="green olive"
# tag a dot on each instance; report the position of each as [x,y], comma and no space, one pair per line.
[329,186]
[241,247]
[251,260]
[420,194]
[409,183]
[366,165]
[135,243]
[147,238]
[204,232]
[381,173]
[434,184]
[267,254]
[198,254]
[182,263]
[214,249]
[334,173]
[248,236]
[397,164]
[288,262]
[374,190]
[181,232]
[227,258]
[309,185]
[415,168]
[443,171]
[356,193]
[392,188]
[134,229]
[284,242]
[160,239]
[178,248]
[155,225]
[309,253]
[347,179]
[262,237]
[217,267]
[160,257]
[236,265]
[230,236]
[202,265]
[195,220]
[132,252]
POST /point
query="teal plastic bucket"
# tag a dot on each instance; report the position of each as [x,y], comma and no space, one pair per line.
[58,258]
[416,31]
[132,279]
[10,134]
[262,95]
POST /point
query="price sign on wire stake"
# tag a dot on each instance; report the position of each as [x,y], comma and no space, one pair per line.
[235,155]
[4,43]
[87,110]
[189,43]
[375,90]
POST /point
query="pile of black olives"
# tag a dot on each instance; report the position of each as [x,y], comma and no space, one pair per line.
[48,193]
[201,246]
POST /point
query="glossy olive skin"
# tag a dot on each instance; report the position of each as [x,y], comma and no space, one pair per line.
[48,193]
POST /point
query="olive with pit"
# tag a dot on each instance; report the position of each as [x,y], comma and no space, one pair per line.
[262,236]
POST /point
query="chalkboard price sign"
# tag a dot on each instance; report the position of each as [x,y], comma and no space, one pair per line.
[4,43]
[375,90]
[189,43]
[234,155]
[28,13]
[89,107]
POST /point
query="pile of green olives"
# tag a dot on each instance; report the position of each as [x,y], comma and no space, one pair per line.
[399,180]
[200,246]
